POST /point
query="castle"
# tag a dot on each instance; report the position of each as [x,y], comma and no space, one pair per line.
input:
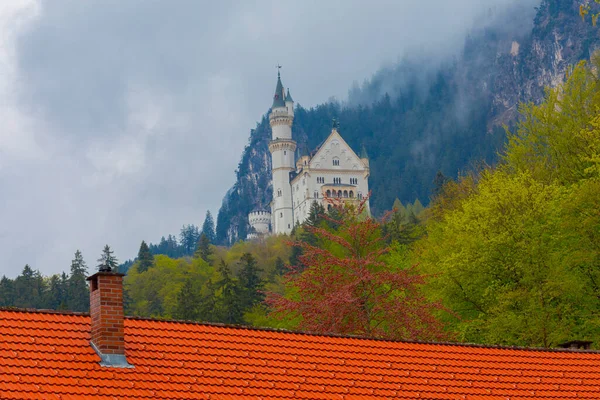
[333,170]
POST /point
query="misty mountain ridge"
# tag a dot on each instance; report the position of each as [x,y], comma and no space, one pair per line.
[427,114]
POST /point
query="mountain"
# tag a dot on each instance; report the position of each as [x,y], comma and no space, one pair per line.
[424,115]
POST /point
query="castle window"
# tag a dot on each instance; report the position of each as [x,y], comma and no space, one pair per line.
[289,226]
[280,215]
[278,192]
[351,194]
[316,195]
[345,193]
[329,207]
[359,195]
[284,152]
[353,181]
[339,194]
[328,193]
[336,161]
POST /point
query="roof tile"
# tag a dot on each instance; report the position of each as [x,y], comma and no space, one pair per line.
[48,356]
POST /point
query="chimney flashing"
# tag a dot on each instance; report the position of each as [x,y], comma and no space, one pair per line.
[111,360]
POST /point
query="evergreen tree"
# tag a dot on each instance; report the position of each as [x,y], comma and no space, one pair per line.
[439,182]
[208,227]
[280,267]
[107,262]
[7,292]
[56,295]
[145,257]
[230,309]
[189,236]
[188,301]
[78,298]
[251,282]
[315,214]
[29,289]
[203,251]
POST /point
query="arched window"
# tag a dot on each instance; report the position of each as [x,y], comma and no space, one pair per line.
[359,195]
[280,215]
[328,193]
[278,192]
[316,195]
[351,194]
[329,207]
[345,193]
[336,161]
[339,193]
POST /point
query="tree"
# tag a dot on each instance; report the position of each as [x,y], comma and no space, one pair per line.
[347,288]
[280,267]
[78,298]
[203,251]
[208,228]
[29,289]
[107,262]
[229,306]
[251,282]
[189,236]
[188,301]
[315,214]
[145,257]
[439,182]
[7,292]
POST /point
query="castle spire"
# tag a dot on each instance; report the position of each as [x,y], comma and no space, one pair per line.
[279,97]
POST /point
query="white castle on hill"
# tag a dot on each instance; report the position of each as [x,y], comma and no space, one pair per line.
[333,170]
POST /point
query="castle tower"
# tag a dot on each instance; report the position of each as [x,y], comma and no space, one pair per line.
[282,148]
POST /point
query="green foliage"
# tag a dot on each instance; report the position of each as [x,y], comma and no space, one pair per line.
[514,250]
[107,262]
[145,258]
[77,296]
[208,228]
[203,249]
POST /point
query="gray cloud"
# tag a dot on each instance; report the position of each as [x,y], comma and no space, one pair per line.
[123,120]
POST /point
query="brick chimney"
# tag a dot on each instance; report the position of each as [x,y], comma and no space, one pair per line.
[106,311]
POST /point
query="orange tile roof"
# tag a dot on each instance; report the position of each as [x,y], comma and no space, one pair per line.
[46,355]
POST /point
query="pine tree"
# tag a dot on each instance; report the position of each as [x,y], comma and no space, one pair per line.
[439,182]
[145,258]
[203,251]
[188,301]
[56,294]
[7,292]
[208,228]
[251,282]
[107,262]
[280,267]
[78,298]
[189,236]
[230,310]
[315,214]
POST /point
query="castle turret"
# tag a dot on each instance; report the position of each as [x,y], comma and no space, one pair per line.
[282,148]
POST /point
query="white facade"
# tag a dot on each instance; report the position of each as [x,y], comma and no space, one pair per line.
[333,171]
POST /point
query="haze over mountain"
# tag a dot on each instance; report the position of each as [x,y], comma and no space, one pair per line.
[123,121]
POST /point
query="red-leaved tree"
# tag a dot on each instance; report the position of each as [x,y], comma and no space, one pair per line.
[345,287]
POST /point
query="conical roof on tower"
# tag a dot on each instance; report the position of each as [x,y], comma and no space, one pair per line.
[288,96]
[279,97]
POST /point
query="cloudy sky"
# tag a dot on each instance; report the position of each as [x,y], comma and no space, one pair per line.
[122,120]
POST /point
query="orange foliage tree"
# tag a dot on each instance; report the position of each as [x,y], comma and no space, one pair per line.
[346,287]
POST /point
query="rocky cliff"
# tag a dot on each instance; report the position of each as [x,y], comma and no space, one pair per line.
[416,120]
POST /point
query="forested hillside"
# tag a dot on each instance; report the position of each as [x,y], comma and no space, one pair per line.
[425,116]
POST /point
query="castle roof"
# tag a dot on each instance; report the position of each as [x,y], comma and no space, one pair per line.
[47,355]
[288,96]
[279,97]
